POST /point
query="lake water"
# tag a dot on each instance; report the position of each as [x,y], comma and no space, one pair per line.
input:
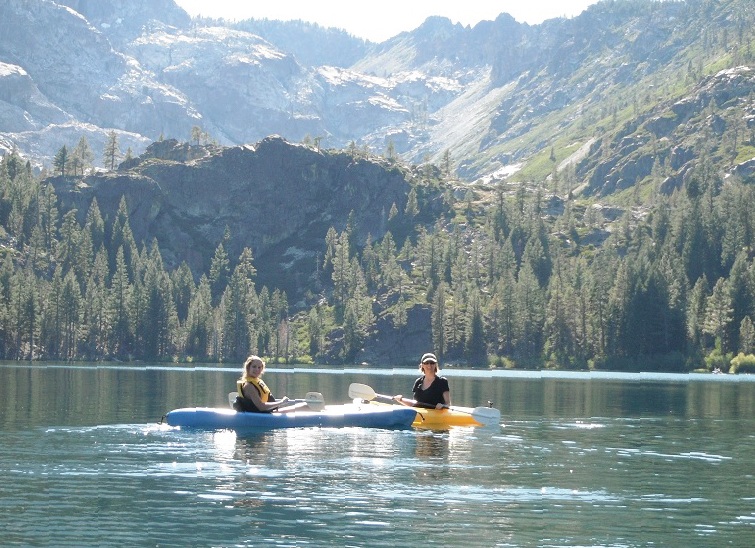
[579,459]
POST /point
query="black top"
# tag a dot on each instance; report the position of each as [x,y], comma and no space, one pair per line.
[434,393]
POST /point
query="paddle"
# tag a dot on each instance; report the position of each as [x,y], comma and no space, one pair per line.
[314,400]
[483,415]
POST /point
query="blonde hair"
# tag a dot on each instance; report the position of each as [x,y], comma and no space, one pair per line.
[249,361]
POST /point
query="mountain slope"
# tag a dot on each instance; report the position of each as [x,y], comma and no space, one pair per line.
[496,97]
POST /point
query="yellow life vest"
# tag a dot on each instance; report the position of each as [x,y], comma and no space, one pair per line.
[258,383]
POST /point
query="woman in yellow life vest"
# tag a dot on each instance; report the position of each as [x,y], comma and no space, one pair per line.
[254,395]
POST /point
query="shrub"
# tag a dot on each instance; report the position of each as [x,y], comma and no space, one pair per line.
[743,363]
[717,360]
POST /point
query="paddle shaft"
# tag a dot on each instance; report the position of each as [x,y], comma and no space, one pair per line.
[414,403]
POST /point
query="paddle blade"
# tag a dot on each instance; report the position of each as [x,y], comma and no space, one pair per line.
[361,391]
[232,398]
[315,401]
[487,416]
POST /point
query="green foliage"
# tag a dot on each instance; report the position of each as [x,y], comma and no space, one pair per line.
[62,161]
[718,361]
[742,363]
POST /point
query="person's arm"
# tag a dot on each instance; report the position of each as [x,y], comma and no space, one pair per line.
[251,393]
[404,401]
[446,395]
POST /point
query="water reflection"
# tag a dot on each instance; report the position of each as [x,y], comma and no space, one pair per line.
[246,485]
[432,445]
[116,394]
[248,446]
[581,461]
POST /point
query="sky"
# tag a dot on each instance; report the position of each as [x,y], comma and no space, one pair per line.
[382,19]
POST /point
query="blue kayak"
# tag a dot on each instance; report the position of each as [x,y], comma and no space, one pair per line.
[334,416]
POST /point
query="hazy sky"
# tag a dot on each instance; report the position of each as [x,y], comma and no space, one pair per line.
[378,20]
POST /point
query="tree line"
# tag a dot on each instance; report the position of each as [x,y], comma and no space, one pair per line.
[671,286]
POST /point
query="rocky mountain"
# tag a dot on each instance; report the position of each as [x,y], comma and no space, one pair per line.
[495,96]
[276,198]
[630,96]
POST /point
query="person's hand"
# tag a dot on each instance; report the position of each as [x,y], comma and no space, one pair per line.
[439,406]
[398,397]
[284,399]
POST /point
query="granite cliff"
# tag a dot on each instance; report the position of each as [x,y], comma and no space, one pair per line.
[277,198]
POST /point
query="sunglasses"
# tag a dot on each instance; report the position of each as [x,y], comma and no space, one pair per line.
[429,363]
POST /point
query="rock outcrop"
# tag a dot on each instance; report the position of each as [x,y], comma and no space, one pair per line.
[277,198]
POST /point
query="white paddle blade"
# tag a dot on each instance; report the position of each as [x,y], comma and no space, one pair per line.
[313,397]
[315,401]
[361,391]
[486,415]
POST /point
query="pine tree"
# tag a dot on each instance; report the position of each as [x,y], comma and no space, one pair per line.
[37,253]
[503,314]
[48,216]
[558,332]
[25,309]
[740,283]
[95,225]
[118,308]
[111,153]
[122,239]
[530,302]
[219,273]
[183,285]
[475,345]
[68,246]
[237,306]
[199,323]
[95,320]
[282,329]
[62,160]
[412,207]
[70,317]
[82,156]
[315,325]
[340,277]
[352,338]
[718,314]
[438,321]
[50,338]
[746,336]
[447,164]
[158,319]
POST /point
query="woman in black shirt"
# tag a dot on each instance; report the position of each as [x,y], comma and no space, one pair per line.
[430,390]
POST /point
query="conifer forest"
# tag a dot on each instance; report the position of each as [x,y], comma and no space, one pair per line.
[670,287]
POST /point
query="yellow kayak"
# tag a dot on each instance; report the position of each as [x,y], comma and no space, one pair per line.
[438,418]
[453,415]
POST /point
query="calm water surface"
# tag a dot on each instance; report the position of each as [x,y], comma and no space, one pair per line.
[578,460]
